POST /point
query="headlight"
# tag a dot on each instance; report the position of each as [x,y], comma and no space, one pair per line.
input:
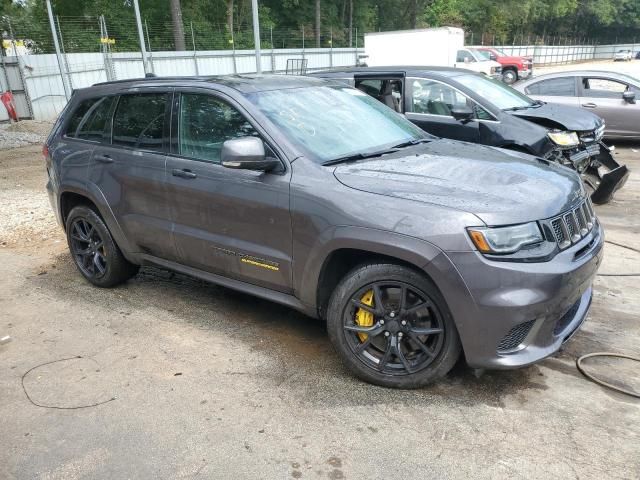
[564,139]
[505,239]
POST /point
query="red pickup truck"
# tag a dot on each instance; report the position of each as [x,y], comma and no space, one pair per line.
[513,67]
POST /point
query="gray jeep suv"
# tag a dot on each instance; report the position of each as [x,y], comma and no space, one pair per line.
[315,195]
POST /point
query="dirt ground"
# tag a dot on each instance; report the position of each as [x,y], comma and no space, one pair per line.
[203,382]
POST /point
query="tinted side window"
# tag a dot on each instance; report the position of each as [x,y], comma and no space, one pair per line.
[92,126]
[463,55]
[78,114]
[139,121]
[205,123]
[370,87]
[554,87]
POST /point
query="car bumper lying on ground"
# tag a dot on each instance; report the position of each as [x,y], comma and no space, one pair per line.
[515,314]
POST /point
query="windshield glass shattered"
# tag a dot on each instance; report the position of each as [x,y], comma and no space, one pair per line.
[331,122]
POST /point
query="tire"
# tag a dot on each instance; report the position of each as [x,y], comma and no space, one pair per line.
[389,354]
[509,76]
[94,251]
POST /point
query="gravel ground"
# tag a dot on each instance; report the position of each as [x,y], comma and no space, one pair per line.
[25,132]
[211,383]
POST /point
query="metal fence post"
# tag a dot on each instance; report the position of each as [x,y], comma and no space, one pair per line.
[356,50]
[273,61]
[67,92]
[195,57]
[331,48]
[150,53]
[64,55]
[106,50]
[233,53]
[303,42]
[143,51]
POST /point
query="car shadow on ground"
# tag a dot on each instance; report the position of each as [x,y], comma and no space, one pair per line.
[298,342]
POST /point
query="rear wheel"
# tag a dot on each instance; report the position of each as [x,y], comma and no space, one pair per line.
[391,327]
[509,76]
[94,251]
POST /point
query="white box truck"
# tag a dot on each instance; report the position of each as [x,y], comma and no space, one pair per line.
[441,47]
[428,46]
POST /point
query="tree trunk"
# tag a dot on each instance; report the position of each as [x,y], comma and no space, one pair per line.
[230,16]
[318,45]
[350,23]
[178,28]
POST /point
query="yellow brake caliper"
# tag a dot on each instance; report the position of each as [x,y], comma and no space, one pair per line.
[364,318]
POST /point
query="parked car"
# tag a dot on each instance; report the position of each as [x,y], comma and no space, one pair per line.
[638,55]
[472,59]
[314,195]
[623,55]
[461,105]
[612,96]
[514,67]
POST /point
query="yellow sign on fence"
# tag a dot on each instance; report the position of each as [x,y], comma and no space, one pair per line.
[108,40]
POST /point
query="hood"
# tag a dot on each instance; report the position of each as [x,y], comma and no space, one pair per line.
[514,59]
[563,117]
[498,186]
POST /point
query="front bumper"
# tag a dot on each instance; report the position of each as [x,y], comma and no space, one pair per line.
[523,74]
[515,314]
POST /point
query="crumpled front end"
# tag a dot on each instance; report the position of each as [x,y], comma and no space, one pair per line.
[594,161]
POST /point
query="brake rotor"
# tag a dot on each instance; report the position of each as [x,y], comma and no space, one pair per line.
[364,318]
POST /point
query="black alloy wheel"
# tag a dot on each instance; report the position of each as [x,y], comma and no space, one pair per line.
[87,248]
[392,327]
[406,330]
[94,251]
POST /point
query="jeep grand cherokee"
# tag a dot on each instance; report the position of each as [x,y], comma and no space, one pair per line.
[312,194]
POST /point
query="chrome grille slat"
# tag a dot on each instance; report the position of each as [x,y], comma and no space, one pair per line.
[573,225]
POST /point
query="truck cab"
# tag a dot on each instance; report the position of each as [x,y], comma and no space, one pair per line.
[514,67]
[471,59]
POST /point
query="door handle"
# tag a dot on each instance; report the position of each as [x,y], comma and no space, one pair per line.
[104,158]
[589,105]
[185,173]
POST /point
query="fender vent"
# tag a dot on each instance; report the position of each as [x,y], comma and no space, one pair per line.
[515,337]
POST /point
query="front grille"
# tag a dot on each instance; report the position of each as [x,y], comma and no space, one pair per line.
[515,337]
[574,225]
[566,319]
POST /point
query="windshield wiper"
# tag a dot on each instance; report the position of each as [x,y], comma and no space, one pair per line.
[358,156]
[410,143]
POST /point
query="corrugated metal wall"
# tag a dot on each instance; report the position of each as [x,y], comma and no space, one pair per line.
[44,84]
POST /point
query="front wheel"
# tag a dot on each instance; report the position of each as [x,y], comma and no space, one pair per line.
[509,77]
[391,327]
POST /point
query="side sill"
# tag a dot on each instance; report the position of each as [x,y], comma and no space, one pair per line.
[261,292]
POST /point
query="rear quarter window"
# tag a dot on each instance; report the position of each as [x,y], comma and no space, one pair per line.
[91,119]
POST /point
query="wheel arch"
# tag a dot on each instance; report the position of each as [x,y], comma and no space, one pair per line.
[345,248]
[73,195]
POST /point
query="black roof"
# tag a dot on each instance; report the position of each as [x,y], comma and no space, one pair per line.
[245,83]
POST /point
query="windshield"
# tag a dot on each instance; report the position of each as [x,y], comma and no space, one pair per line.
[485,54]
[330,122]
[501,95]
[478,55]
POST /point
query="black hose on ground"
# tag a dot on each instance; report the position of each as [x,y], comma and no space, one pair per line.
[633,249]
[602,382]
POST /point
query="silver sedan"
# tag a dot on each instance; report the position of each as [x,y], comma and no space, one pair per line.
[612,96]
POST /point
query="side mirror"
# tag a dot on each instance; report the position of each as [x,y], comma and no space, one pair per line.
[246,153]
[467,60]
[493,57]
[629,97]
[462,114]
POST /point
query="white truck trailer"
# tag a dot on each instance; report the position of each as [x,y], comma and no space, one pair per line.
[443,47]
